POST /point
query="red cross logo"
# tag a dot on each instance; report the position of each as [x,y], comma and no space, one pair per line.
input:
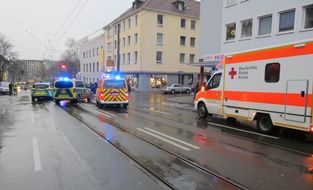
[232,73]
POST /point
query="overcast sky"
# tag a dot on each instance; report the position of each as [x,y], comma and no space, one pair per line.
[34,27]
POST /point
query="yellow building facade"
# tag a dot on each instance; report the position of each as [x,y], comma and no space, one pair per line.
[158,39]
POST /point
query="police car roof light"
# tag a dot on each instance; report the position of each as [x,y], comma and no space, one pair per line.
[117,77]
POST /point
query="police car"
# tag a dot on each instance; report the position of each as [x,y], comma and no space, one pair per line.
[41,91]
[73,90]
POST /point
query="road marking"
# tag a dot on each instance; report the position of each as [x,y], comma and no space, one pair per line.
[168,141]
[151,109]
[106,113]
[37,162]
[193,146]
[241,130]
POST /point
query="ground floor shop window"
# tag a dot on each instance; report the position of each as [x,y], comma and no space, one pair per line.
[158,81]
[132,80]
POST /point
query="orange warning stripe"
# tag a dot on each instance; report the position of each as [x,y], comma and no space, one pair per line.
[109,98]
[268,98]
[271,53]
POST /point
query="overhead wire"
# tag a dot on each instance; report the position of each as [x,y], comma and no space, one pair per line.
[71,23]
[25,30]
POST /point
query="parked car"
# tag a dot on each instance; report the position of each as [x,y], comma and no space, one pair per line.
[175,87]
[4,87]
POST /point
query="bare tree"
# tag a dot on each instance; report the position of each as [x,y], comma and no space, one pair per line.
[70,57]
[7,56]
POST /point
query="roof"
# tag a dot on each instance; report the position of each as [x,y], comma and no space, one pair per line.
[192,9]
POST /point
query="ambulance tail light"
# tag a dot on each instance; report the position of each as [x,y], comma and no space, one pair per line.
[102,96]
[127,95]
[311,128]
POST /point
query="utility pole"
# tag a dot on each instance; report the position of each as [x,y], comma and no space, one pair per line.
[118,47]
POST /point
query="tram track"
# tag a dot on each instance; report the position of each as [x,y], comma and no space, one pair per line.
[229,183]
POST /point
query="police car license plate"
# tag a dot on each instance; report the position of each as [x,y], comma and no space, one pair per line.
[114,93]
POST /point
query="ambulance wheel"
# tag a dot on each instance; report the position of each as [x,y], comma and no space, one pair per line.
[125,106]
[202,111]
[57,102]
[265,125]
[173,91]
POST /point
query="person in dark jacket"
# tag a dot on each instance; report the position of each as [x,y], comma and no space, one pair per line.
[11,88]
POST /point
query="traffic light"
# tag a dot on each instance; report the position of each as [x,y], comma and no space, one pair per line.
[63,67]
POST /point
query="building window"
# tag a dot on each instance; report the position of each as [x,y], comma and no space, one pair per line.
[89,53]
[246,28]
[159,39]
[193,25]
[231,2]
[182,40]
[136,38]
[128,40]
[183,23]
[109,47]
[115,44]
[89,67]
[97,66]
[181,58]
[136,20]
[124,43]
[265,25]
[159,56]
[123,60]
[93,67]
[97,51]
[129,21]
[192,42]
[191,58]
[128,58]
[272,71]
[84,67]
[135,57]
[84,55]
[308,17]
[124,23]
[286,21]
[93,52]
[230,31]
[160,20]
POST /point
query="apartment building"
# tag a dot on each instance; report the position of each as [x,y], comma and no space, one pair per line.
[229,26]
[91,59]
[158,38]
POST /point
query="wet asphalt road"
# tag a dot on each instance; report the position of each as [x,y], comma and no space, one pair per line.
[76,155]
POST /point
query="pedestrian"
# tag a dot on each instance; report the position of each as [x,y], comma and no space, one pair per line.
[15,88]
[10,88]
[197,86]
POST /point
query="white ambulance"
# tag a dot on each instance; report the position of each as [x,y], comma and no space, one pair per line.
[272,86]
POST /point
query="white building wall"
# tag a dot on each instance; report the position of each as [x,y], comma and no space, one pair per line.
[90,52]
[248,9]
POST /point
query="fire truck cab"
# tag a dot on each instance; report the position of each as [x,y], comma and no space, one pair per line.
[112,91]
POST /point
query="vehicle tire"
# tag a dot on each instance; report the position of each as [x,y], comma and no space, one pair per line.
[33,99]
[265,125]
[202,111]
[100,105]
[97,103]
[57,102]
[187,91]
[125,106]
[88,100]
[173,91]
[231,120]
[78,99]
